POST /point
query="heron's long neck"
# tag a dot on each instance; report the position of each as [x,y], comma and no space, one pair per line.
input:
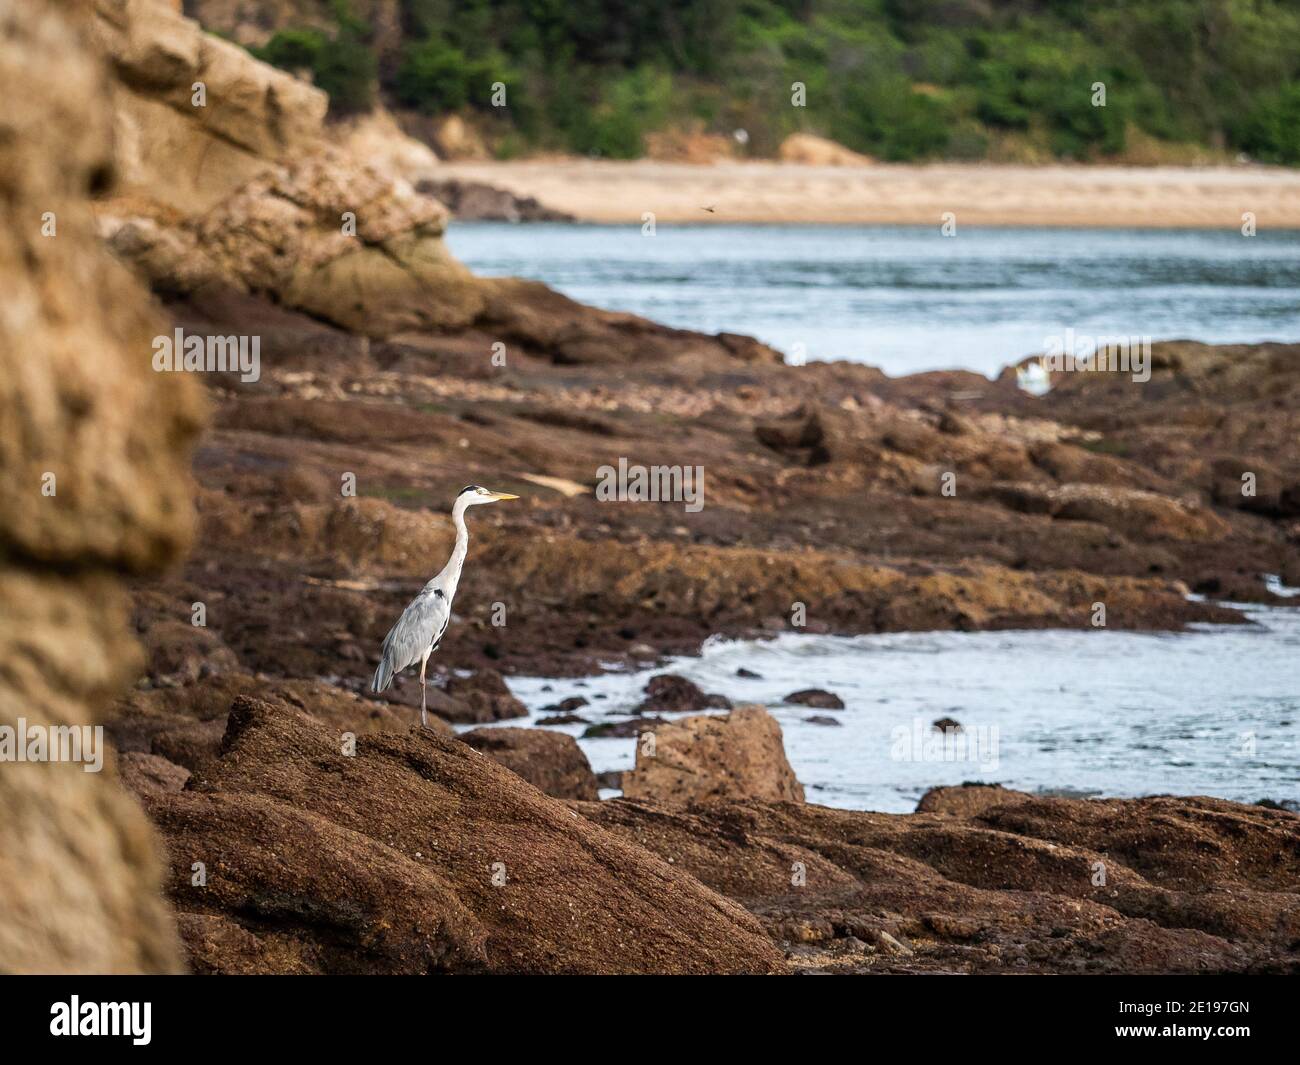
[451,572]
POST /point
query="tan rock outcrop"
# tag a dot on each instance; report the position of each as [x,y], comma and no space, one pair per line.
[230,177]
[733,756]
[482,696]
[375,138]
[807,149]
[456,138]
[690,143]
[245,188]
[94,451]
[322,234]
[187,147]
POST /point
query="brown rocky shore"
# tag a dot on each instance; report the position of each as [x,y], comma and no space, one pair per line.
[300,824]
[417,854]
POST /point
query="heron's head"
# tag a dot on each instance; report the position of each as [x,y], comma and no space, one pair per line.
[475,494]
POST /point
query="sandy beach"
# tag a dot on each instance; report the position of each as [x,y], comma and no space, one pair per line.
[599,191]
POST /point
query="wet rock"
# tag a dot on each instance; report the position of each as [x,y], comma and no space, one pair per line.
[623,729]
[550,761]
[816,697]
[482,696]
[671,694]
[478,202]
[419,855]
[562,719]
[610,778]
[946,724]
[564,706]
[748,674]
[736,755]
[822,719]
[588,584]
[1254,484]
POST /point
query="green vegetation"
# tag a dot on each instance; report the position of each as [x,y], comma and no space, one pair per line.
[342,63]
[398,494]
[1118,448]
[1270,130]
[899,79]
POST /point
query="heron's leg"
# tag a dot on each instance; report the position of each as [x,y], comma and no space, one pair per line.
[424,694]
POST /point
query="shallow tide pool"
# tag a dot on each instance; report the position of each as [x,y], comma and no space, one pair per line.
[1213,711]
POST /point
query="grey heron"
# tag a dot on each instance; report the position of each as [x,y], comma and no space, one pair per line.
[420,628]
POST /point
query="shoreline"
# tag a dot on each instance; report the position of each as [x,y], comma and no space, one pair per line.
[885,786]
[979,194]
[211,589]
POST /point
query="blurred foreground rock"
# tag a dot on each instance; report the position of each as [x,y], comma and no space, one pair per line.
[94,472]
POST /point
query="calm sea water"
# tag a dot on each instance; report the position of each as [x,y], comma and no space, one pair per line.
[906,298]
[1214,711]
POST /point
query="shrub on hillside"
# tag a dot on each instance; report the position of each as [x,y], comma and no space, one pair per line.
[343,65]
[1270,131]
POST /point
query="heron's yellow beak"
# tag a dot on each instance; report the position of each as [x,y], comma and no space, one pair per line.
[503,495]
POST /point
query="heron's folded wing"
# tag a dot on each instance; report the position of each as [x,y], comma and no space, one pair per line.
[422,623]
